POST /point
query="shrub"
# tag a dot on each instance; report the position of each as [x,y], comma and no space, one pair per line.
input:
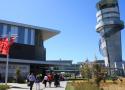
[17,74]
[67,75]
[4,87]
[19,78]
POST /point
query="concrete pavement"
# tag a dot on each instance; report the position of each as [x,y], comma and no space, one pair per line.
[16,86]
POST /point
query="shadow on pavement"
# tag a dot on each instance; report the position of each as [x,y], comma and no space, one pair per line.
[55,87]
[18,87]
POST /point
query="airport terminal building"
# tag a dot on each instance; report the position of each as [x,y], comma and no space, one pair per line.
[28,52]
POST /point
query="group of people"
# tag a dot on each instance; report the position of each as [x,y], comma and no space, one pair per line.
[31,79]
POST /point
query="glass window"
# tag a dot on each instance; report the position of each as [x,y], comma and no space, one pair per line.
[29,36]
[1,29]
[104,51]
[26,36]
[21,35]
[4,30]
[32,37]
[14,31]
[8,29]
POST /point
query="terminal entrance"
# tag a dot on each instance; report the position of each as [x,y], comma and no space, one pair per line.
[38,69]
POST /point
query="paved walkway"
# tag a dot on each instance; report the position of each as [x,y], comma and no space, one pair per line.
[15,86]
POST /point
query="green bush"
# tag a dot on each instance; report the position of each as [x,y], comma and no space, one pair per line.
[4,87]
[19,78]
[67,75]
[13,80]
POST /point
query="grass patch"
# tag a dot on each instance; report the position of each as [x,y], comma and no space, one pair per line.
[85,85]
[69,87]
[4,87]
[81,86]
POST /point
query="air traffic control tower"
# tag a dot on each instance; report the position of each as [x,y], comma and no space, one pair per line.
[109,27]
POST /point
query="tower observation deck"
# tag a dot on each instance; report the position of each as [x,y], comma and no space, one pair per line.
[109,27]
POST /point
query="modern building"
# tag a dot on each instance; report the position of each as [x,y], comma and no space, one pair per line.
[90,63]
[28,52]
[109,26]
[64,66]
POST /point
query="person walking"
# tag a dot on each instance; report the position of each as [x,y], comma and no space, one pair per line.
[45,79]
[31,79]
[56,80]
[37,81]
[50,79]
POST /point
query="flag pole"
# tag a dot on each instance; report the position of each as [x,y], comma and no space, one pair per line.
[6,76]
[10,41]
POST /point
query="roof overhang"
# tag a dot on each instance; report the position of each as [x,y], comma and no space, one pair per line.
[22,61]
[46,32]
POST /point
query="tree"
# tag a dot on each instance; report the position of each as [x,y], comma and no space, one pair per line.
[99,73]
[17,74]
[86,70]
[19,78]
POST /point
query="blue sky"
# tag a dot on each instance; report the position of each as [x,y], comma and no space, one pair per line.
[75,19]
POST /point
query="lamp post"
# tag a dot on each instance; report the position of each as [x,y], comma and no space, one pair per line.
[75,71]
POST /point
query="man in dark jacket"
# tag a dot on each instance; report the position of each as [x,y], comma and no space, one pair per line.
[56,80]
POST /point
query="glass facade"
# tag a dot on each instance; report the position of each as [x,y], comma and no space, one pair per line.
[8,29]
[24,35]
[21,35]
[14,31]
[1,29]
[29,36]
[4,30]
[28,44]
[32,36]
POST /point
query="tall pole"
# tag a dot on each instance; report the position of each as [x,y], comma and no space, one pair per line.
[75,71]
[6,76]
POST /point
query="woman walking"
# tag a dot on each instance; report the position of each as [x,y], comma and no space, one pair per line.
[31,79]
[45,79]
[50,78]
[37,82]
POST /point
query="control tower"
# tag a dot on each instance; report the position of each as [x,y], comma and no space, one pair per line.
[109,27]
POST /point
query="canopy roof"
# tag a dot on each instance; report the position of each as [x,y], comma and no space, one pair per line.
[46,32]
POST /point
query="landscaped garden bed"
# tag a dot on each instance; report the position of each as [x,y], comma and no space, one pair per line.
[81,85]
[85,85]
[4,87]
